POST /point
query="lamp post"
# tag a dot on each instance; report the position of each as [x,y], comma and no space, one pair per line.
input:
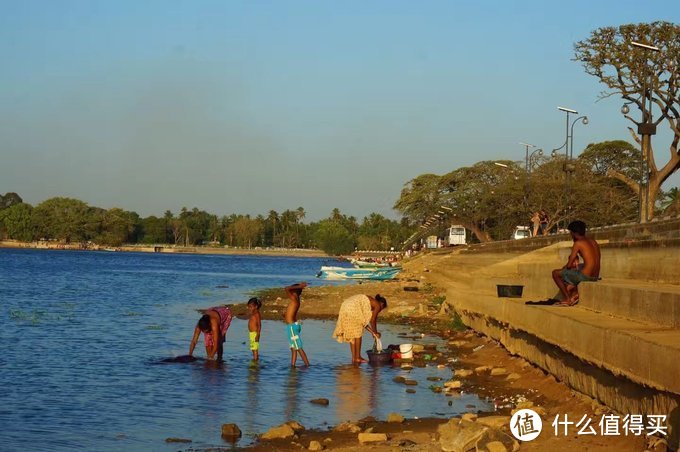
[646,128]
[526,154]
[569,153]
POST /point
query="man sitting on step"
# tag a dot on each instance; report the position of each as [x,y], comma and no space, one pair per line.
[568,277]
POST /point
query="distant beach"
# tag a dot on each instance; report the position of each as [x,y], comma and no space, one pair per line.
[165,248]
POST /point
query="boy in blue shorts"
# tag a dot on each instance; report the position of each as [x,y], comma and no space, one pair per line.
[293,327]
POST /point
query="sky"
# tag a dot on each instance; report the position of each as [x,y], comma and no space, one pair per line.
[252,106]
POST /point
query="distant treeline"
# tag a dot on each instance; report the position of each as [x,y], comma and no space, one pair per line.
[72,221]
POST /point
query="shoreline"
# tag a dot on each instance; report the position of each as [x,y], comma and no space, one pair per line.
[166,249]
[480,365]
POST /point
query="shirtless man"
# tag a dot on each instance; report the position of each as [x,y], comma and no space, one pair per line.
[568,277]
[293,327]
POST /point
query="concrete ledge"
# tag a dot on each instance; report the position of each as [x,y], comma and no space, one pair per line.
[636,300]
[645,354]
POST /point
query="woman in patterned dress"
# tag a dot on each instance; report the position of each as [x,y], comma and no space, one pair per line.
[214,325]
[356,313]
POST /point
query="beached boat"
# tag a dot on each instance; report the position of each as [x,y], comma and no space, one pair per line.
[366,264]
[375,274]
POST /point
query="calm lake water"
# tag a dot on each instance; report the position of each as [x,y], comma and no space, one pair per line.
[82,334]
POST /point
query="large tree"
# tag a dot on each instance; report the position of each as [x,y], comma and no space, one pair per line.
[628,71]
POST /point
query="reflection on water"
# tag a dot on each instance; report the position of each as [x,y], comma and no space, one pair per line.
[83,340]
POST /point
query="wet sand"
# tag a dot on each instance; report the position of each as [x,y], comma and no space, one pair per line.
[415,301]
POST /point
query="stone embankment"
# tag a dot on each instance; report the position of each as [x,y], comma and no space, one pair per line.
[620,345]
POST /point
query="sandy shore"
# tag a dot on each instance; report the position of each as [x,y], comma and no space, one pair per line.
[415,299]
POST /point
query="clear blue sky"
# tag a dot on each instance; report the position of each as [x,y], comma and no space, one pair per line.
[243,107]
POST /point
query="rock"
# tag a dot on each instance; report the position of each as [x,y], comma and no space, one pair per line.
[281,432]
[459,436]
[320,401]
[493,446]
[177,440]
[463,373]
[514,376]
[410,382]
[372,438]
[395,418]
[498,371]
[492,435]
[430,347]
[434,378]
[296,426]
[496,422]
[482,369]
[470,417]
[231,431]
[410,391]
[399,379]
[458,343]
[418,348]
[347,427]
[453,384]
[328,440]
[436,389]
[315,445]
[525,404]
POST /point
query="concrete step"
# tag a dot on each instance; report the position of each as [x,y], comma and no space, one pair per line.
[644,353]
[635,300]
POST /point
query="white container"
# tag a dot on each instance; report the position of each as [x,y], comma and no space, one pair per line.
[406,351]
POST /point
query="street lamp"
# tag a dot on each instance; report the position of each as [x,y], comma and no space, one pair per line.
[569,150]
[646,128]
[526,154]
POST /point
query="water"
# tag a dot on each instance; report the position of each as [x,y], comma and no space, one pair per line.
[82,334]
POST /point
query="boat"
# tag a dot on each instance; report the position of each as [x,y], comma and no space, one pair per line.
[366,264]
[374,274]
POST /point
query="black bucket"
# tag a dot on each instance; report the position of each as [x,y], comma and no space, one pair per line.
[382,357]
[509,291]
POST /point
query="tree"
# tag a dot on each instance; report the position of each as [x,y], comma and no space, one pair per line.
[483,193]
[333,238]
[154,230]
[117,227]
[628,71]
[9,199]
[17,221]
[419,198]
[64,219]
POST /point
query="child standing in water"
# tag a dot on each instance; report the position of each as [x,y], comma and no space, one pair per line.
[293,327]
[254,326]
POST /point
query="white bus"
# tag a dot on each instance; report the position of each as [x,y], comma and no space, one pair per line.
[455,235]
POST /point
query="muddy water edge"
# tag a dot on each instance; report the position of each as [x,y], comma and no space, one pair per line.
[471,358]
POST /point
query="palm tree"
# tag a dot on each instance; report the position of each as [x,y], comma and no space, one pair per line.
[273,218]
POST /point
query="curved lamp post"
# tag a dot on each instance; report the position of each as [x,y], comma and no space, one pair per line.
[569,152]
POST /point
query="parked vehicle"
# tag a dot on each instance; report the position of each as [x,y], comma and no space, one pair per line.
[432,242]
[521,232]
[455,235]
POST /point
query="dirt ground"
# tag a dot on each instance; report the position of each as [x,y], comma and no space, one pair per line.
[416,299]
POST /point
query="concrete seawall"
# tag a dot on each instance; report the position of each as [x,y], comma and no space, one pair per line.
[620,345]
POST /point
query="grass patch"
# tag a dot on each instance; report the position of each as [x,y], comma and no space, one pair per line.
[438,300]
[456,322]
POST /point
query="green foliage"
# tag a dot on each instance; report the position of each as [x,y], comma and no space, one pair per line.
[17,222]
[456,322]
[629,71]
[333,238]
[9,199]
[438,300]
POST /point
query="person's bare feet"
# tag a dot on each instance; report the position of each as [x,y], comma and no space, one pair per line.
[572,301]
[360,360]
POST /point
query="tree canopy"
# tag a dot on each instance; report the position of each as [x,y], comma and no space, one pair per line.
[628,71]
